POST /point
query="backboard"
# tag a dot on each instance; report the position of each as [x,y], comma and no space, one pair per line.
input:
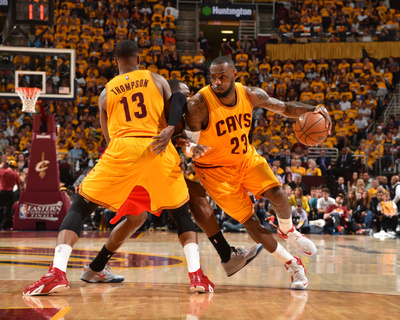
[51,70]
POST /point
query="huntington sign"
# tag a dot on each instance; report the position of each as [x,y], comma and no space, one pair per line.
[226,12]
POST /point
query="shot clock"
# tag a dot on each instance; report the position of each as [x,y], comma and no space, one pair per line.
[40,12]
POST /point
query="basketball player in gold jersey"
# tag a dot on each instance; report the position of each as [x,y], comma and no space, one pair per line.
[132,112]
[220,116]
[138,203]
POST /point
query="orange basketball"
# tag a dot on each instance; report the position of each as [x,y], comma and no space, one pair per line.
[310,129]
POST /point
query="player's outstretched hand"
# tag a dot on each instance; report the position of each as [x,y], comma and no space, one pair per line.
[199,151]
[180,141]
[322,110]
[161,141]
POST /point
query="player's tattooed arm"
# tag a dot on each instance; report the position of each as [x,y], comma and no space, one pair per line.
[196,115]
[292,109]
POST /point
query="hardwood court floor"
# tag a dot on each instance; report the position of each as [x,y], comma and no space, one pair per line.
[352,277]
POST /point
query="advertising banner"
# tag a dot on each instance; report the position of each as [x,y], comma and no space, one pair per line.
[42,205]
[215,11]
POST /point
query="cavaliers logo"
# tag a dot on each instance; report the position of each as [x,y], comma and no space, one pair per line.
[42,166]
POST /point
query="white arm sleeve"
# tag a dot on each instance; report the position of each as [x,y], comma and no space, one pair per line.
[193,136]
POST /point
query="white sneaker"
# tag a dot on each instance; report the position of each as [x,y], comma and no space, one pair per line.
[298,273]
[88,275]
[380,234]
[240,258]
[300,241]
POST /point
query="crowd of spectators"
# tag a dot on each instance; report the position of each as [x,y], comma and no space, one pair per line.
[355,93]
[361,206]
[334,21]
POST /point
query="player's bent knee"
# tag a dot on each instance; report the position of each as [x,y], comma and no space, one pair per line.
[275,194]
[182,219]
[78,212]
[196,190]
[253,225]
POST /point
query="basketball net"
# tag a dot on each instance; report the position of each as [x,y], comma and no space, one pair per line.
[29,98]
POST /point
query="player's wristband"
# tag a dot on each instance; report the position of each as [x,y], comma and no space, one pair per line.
[188,150]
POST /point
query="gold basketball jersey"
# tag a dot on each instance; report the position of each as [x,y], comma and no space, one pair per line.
[135,105]
[228,129]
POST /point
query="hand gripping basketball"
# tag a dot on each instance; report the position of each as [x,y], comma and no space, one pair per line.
[311,128]
[322,110]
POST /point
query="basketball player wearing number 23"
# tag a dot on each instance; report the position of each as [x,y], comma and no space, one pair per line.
[228,166]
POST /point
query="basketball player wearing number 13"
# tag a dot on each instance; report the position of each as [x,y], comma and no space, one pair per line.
[133,110]
[228,166]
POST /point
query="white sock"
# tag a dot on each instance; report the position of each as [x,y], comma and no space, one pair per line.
[61,256]
[192,256]
[281,254]
[285,224]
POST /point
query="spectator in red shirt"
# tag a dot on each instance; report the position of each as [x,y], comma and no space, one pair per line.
[336,216]
[8,179]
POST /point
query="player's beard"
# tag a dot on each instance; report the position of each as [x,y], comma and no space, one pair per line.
[227,92]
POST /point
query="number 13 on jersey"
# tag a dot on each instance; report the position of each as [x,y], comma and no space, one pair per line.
[138,100]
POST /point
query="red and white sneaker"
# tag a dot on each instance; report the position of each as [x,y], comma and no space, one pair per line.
[53,281]
[300,241]
[199,282]
[298,273]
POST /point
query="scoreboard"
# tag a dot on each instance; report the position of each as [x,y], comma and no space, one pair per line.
[39,12]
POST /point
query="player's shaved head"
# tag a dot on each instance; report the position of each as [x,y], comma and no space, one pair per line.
[221,60]
[126,49]
[174,85]
[223,75]
[179,86]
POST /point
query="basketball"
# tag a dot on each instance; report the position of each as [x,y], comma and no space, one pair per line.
[310,129]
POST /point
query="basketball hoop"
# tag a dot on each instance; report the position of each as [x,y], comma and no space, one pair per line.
[29,97]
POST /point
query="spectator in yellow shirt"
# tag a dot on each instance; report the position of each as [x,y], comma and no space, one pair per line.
[241,58]
[341,134]
[275,76]
[317,83]
[355,87]
[281,88]
[187,60]
[352,112]
[242,74]
[318,96]
[298,195]
[331,141]
[357,67]
[199,60]
[309,65]
[388,76]
[352,131]
[306,96]
[343,65]
[297,168]
[298,76]
[62,150]
[332,95]
[265,65]
[312,169]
